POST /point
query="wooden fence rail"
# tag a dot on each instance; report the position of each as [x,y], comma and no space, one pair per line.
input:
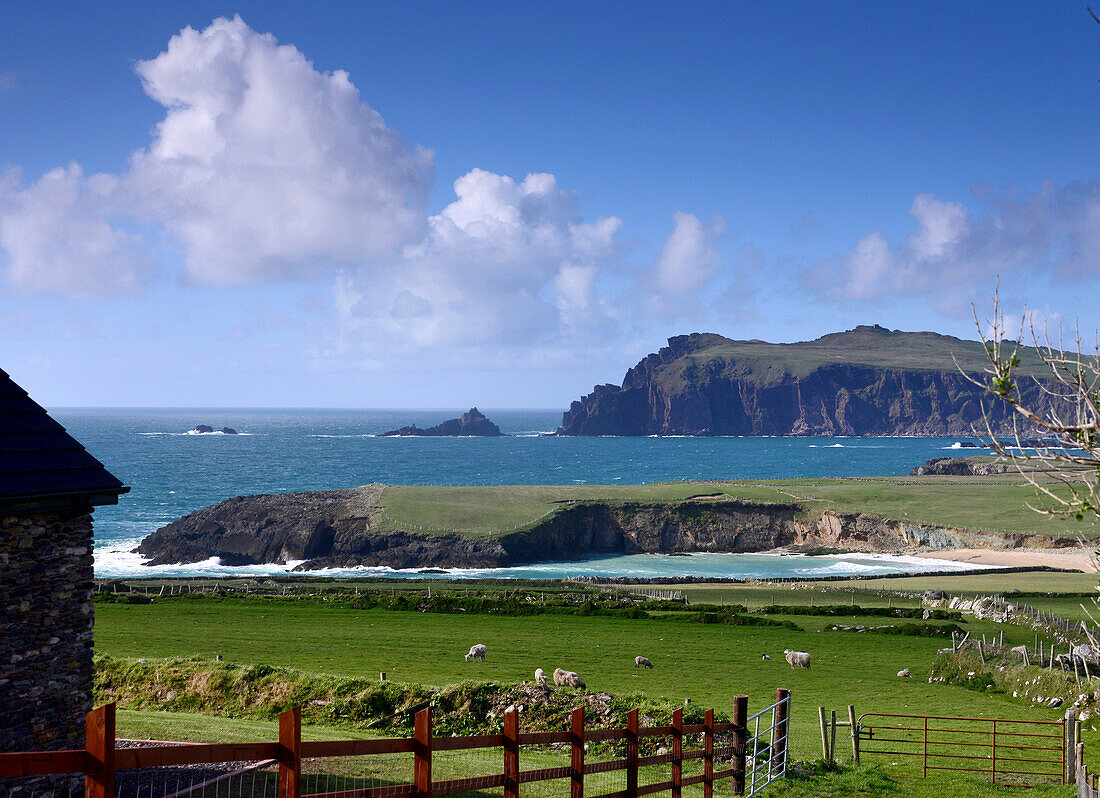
[100,759]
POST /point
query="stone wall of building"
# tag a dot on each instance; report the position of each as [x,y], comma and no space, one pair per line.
[46,617]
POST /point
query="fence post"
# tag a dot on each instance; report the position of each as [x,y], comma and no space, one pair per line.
[677,752]
[740,736]
[824,724]
[632,754]
[422,753]
[511,754]
[290,753]
[99,742]
[855,732]
[782,722]
[576,760]
[708,754]
[1071,748]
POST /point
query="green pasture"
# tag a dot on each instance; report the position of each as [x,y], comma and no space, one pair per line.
[707,664]
[484,510]
[992,503]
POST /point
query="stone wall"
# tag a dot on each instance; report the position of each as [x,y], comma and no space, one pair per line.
[46,617]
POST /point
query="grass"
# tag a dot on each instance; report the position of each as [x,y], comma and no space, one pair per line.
[706,663]
[487,510]
[986,503]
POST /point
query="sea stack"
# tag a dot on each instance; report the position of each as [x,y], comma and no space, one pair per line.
[471,424]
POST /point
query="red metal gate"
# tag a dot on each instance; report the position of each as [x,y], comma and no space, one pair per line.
[1020,752]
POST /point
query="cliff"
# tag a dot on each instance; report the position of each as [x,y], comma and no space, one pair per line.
[867,381]
[345,528]
[472,423]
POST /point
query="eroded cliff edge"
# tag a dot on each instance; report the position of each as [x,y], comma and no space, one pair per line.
[346,528]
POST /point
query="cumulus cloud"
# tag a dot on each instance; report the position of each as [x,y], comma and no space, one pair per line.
[684,269]
[59,237]
[266,168]
[687,259]
[955,253]
[263,169]
[508,262]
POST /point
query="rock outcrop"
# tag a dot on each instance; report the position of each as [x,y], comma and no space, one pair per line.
[472,423]
[346,528]
[962,467]
[868,381]
[327,529]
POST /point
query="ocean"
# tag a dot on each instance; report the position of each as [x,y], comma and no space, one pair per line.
[172,473]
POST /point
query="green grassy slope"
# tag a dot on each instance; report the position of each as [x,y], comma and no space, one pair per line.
[992,503]
[707,663]
[864,346]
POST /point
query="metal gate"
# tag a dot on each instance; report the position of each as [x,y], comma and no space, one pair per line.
[766,751]
[1014,752]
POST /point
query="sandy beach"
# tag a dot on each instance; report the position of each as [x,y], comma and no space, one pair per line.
[1074,557]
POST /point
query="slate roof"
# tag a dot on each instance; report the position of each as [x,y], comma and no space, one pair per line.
[39,459]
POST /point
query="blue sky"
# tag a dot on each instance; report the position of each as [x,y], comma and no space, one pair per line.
[330,204]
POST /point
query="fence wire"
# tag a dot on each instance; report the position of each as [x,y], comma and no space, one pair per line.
[337,774]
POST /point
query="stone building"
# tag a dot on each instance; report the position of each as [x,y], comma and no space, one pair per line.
[48,487]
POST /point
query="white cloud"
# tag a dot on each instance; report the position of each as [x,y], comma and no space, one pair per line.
[263,168]
[955,254]
[687,259]
[58,236]
[507,263]
[266,168]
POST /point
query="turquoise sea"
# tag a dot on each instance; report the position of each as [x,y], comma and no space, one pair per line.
[171,473]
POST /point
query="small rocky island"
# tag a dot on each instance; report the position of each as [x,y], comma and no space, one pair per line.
[472,424]
[206,429]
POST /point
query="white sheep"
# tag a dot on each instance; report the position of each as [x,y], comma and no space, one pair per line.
[568,679]
[799,659]
[540,676]
[477,651]
[642,662]
[904,673]
[765,657]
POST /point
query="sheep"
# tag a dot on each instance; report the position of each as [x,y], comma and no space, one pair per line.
[765,658]
[642,662]
[540,676]
[477,651]
[568,679]
[799,659]
[904,673]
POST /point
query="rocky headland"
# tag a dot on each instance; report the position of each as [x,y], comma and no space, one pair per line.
[346,528]
[472,424]
[962,467]
[867,381]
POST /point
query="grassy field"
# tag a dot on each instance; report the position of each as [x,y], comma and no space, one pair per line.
[705,663]
[486,510]
[991,503]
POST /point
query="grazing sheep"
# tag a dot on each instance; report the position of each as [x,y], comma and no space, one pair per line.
[800,659]
[540,676]
[642,662]
[568,679]
[477,651]
[765,657]
[904,673]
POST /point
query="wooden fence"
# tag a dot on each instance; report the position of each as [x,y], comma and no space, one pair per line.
[100,759]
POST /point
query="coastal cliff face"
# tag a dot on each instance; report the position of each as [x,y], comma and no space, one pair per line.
[869,381]
[342,528]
